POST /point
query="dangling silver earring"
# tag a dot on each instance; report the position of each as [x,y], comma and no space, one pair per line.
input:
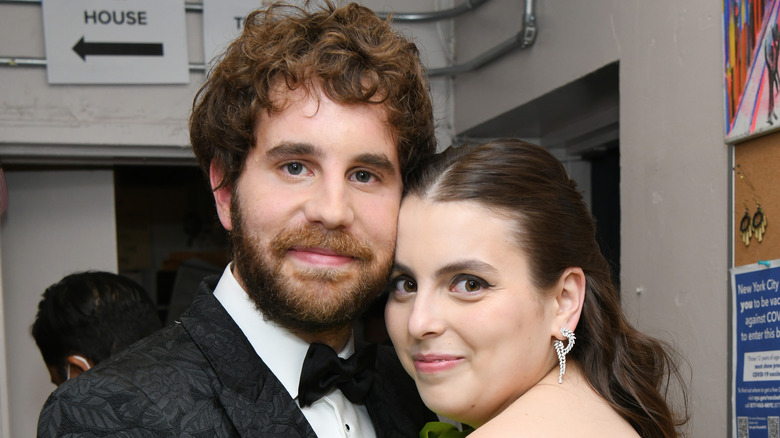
[563,351]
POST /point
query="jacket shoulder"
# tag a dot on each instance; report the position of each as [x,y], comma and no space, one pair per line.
[157,386]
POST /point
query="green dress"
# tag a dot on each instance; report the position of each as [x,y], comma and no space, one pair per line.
[438,429]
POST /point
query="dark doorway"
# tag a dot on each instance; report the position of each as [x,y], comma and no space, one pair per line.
[605,203]
[167,230]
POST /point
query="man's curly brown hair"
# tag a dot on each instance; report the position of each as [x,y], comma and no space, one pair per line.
[348,53]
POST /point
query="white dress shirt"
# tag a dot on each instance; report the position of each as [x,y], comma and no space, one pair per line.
[331,416]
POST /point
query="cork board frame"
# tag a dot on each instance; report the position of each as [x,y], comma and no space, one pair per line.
[757,179]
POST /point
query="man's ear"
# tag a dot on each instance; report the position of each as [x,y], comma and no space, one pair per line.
[569,299]
[222,195]
[78,364]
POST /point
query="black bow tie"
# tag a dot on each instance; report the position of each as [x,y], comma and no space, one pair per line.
[323,369]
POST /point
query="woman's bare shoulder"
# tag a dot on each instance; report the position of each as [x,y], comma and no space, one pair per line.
[552,410]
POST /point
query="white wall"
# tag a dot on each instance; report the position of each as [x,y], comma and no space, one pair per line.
[674,163]
[675,191]
[5,427]
[57,222]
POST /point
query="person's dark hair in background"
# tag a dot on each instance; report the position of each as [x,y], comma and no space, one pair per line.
[87,317]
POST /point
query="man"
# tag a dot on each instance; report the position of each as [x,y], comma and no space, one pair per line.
[306,128]
[88,316]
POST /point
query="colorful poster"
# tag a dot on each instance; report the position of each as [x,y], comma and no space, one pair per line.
[756,354]
[751,79]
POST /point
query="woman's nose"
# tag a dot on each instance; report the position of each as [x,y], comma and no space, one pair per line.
[426,317]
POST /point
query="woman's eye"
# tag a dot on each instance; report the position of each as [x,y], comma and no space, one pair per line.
[363,176]
[469,284]
[404,285]
[294,168]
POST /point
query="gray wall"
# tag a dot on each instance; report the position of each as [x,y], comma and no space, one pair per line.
[57,222]
[674,164]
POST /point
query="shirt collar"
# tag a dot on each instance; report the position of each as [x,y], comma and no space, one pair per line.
[282,351]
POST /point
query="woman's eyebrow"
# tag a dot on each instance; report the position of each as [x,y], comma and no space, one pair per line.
[400,267]
[468,265]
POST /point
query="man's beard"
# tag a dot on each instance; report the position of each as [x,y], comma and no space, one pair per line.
[303,300]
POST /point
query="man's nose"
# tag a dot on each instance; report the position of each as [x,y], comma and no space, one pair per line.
[330,204]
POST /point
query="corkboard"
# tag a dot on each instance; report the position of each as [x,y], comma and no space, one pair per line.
[757,178]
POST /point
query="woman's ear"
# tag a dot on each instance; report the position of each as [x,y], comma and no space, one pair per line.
[569,299]
[222,195]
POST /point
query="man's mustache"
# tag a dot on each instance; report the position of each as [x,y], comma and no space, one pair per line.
[312,236]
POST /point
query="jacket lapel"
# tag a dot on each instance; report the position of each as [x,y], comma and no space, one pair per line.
[393,404]
[253,398]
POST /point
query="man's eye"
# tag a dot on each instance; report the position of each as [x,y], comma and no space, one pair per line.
[363,176]
[294,168]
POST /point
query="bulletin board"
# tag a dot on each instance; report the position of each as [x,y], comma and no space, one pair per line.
[755,290]
[757,182]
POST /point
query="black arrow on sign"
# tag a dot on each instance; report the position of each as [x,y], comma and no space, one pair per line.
[83,48]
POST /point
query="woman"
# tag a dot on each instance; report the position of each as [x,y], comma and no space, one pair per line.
[502,308]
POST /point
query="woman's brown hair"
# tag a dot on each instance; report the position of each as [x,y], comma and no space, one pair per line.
[348,53]
[554,228]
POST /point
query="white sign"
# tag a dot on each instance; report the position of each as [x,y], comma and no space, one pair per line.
[223,21]
[116,41]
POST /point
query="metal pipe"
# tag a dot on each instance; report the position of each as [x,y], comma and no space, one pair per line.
[523,39]
[42,62]
[189,7]
[443,14]
[399,16]
[4,60]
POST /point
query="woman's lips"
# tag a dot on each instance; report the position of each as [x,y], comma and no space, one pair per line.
[434,363]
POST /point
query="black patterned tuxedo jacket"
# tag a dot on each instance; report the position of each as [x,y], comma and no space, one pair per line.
[201,378]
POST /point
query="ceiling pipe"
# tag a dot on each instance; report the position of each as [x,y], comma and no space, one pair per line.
[20,61]
[443,14]
[421,17]
[523,39]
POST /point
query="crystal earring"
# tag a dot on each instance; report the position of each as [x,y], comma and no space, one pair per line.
[563,351]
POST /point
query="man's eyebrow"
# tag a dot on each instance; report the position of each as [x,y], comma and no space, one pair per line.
[286,149]
[379,161]
[468,265]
